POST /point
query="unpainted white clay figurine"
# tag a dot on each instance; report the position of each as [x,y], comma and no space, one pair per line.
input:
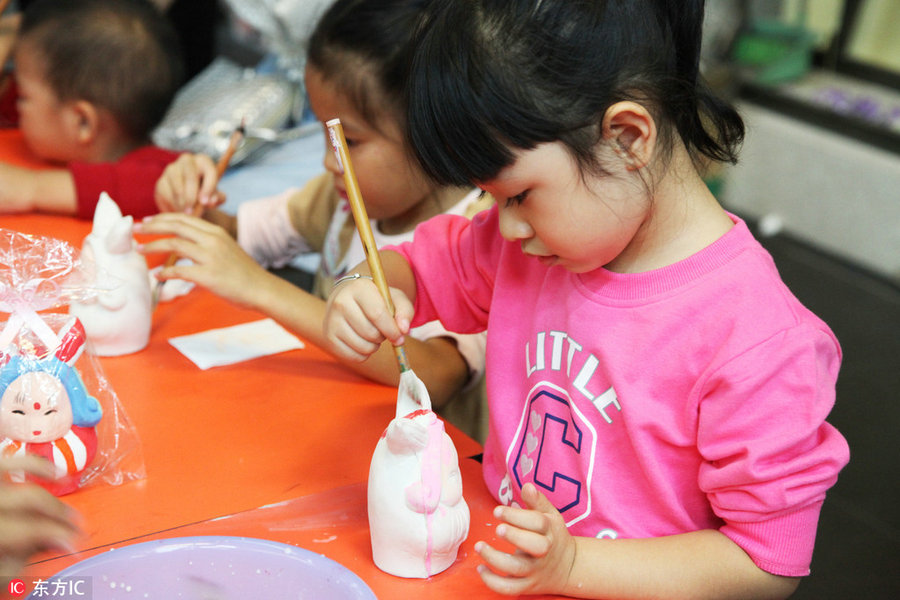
[118,319]
[417,515]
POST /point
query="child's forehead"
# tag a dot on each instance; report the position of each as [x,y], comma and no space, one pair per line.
[356,90]
[523,163]
[31,69]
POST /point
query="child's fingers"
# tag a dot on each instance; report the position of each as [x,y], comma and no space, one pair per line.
[216,198]
[515,565]
[348,351]
[347,325]
[28,508]
[31,534]
[378,313]
[361,304]
[163,195]
[175,224]
[403,310]
[183,232]
[201,185]
[193,179]
[534,499]
[357,321]
[370,336]
[523,518]
[188,255]
[508,586]
[349,344]
[29,463]
[368,315]
[169,191]
[533,542]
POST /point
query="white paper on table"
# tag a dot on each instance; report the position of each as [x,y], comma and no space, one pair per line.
[229,345]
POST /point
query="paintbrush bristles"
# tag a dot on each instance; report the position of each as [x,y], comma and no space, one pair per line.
[361,217]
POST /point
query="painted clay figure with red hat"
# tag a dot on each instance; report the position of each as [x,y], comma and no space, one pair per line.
[46,410]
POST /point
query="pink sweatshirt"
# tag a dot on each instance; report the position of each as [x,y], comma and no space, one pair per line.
[649,404]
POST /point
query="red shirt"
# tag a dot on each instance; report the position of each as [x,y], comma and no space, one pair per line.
[9,113]
[130,181]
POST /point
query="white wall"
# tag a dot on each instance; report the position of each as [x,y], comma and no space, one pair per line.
[836,193]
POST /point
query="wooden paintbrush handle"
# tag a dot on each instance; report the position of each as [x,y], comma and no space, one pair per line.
[361,217]
[233,143]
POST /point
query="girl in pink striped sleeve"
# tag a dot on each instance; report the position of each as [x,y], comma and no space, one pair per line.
[657,395]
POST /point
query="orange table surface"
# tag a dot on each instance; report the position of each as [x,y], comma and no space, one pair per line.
[229,439]
[334,524]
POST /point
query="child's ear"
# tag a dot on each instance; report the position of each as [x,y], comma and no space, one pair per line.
[631,131]
[86,120]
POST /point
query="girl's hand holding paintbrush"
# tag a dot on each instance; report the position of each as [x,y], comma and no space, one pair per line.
[389,319]
[190,183]
[357,318]
[189,186]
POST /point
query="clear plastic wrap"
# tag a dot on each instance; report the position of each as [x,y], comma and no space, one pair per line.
[55,401]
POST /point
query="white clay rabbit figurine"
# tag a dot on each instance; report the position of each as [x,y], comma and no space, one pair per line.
[417,515]
[118,319]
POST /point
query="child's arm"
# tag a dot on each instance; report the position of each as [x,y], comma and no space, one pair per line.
[221,266]
[32,520]
[37,190]
[700,564]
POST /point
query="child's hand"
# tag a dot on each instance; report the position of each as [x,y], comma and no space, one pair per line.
[32,520]
[219,263]
[357,320]
[545,551]
[188,181]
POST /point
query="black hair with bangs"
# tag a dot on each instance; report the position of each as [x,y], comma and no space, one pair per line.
[493,76]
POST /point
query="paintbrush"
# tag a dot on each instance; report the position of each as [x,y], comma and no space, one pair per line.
[358,208]
[409,383]
[197,210]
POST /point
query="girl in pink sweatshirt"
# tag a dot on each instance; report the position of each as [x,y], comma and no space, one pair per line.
[657,395]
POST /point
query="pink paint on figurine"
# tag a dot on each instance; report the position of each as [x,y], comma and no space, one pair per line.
[118,317]
[417,514]
[45,409]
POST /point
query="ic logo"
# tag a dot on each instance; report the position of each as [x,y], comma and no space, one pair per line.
[17,587]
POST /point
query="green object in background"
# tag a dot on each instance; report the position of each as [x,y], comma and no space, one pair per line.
[774,51]
[715,183]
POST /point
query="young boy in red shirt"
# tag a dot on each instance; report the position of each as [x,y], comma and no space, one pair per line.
[93,79]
